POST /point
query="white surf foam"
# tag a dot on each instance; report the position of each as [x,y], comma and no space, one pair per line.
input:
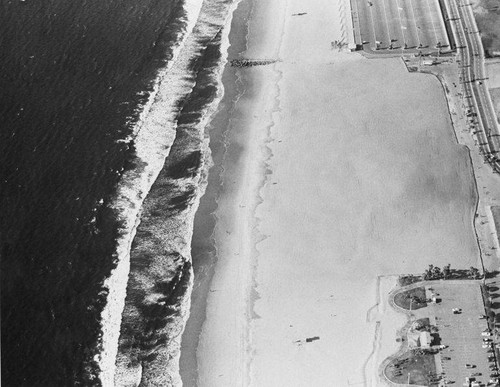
[214,15]
[155,133]
[153,136]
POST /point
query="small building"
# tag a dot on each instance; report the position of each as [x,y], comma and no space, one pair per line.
[425,339]
[428,62]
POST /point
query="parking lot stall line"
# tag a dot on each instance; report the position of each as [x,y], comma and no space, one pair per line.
[408,24]
[375,35]
[403,28]
[435,28]
[367,32]
[394,22]
[415,24]
[387,25]
[381,27]
[356,21]
[428,35]
[438,22]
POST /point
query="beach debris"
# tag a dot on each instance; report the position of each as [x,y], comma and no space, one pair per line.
[299,14]
[251,62]
[307,340]
[338,44]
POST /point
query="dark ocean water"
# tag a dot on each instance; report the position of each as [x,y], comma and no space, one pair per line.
[73,74]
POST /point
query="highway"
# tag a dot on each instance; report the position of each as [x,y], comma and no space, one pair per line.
[476,95]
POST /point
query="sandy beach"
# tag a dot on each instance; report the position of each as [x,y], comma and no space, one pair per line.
[344,170]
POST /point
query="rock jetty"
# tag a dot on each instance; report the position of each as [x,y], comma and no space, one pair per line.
[251,62]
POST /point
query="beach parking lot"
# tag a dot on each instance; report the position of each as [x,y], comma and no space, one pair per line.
[462,331]
[398,26]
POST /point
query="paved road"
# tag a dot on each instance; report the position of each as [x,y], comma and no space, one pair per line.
[476,93]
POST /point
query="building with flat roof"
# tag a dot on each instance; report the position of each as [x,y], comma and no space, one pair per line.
[425,339]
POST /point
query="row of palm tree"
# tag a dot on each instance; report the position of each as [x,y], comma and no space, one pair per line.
[435,273]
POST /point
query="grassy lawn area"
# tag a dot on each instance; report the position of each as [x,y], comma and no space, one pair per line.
[409,279]
[414,364]
[411,299]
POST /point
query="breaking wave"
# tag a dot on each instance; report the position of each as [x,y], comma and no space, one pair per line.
[158,200]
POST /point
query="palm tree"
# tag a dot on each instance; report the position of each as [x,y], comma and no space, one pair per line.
[474,273]
[446,271]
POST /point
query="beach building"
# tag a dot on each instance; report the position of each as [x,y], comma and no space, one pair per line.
[425,339]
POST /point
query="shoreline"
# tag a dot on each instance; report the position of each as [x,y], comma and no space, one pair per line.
[131,192]
[204,253]
[245,157]
[162,253]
